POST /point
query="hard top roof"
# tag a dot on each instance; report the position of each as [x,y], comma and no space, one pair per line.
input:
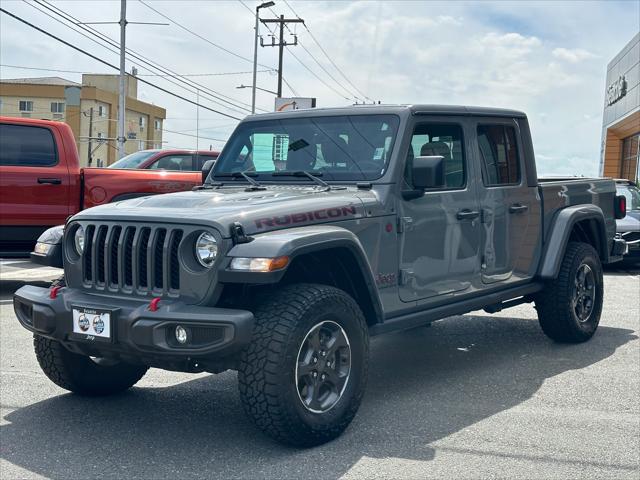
[417,109]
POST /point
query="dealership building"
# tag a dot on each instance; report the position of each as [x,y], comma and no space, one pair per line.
[620,152]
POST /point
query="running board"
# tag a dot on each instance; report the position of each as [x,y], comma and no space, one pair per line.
[501,299]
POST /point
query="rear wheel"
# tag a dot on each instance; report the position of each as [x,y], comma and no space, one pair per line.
[302,377]
[569,307]
[84,375]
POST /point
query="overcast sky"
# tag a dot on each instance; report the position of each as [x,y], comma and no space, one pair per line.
[546,58]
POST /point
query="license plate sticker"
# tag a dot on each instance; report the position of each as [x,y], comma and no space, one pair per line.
[92,323]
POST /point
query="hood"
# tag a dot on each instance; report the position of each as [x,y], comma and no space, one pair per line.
[258,211]
[630,223]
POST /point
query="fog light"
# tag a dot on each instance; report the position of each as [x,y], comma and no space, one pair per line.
[181,335]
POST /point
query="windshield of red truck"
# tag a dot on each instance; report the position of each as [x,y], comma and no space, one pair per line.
[349,147]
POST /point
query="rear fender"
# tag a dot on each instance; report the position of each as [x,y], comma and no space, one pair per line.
[560,232]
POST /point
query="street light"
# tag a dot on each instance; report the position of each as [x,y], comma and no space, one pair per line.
[258,88]
[255,53]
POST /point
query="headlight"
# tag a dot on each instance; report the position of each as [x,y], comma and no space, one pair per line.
[206,249]
[78,240]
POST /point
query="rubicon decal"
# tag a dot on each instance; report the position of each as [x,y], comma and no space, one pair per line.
[304,217]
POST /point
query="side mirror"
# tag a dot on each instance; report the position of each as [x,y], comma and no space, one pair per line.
[428,172]
[206,169]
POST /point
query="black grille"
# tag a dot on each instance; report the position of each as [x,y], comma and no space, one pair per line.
[132,259]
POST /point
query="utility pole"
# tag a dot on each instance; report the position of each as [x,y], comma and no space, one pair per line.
[120,138]
[123,73]
[89,152]
[281,43]
[197,119]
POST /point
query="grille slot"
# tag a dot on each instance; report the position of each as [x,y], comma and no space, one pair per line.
[174,266]
[143,245]
[100,253]
[132,259]
[87,252]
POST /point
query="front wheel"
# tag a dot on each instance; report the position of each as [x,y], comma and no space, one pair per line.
[569,307]
[84,375]
[302,377]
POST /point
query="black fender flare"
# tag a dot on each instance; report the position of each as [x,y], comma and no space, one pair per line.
[293,243]
[560,231]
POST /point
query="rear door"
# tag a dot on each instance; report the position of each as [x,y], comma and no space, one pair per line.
[441,230]
[510,209]
[34,184]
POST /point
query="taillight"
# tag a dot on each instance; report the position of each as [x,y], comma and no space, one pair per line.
[620,207]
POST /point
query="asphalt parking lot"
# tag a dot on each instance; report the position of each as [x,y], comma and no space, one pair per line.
[473,396]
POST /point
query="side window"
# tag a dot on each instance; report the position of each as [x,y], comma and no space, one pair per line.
[173,162]
[202,159]
[499,154]
[442,140]
[26,146]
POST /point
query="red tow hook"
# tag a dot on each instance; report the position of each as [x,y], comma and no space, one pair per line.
[153,304]
[53,293]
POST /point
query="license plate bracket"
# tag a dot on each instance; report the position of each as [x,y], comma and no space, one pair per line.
[92,324]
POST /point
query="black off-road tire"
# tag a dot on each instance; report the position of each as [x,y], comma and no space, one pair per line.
[556,310]
[268,370]
[81,374]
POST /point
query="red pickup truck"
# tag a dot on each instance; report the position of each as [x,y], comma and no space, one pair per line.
[41,182]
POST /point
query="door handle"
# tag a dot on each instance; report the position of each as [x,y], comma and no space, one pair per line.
[467,214]
[518,208]
[52,181]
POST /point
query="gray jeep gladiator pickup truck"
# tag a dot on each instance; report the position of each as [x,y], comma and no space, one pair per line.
[315,230]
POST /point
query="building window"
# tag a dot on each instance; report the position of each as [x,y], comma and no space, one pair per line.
[158,124]
[57,107]
[26,106]
[102,112]
[630,157]
[140,145]
[142,121]
[99,134]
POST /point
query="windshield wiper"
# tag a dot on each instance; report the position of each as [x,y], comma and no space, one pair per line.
[247,176]
[303,173]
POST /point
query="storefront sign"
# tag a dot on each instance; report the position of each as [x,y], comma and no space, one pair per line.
[616,90]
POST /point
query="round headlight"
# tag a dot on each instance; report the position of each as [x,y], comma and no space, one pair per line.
[78,240]
[206,249]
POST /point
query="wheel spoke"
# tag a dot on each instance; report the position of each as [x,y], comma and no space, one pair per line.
[334,378]
[336,343]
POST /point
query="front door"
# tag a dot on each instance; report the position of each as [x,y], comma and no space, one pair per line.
[440,231]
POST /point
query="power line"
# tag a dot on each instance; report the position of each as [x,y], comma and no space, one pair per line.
[201,37]
[104,62]
[327,55]
[214,97]
[24,67]
[195,136]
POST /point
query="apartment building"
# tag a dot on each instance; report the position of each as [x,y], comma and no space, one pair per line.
[91,110]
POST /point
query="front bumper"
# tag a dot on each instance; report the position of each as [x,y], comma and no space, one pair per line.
[139,335]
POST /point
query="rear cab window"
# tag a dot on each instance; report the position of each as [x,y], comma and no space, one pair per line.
[499,155]
[27,146]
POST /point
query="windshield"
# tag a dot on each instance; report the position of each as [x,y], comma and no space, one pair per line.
[133,160]
[633,196]
[354,147]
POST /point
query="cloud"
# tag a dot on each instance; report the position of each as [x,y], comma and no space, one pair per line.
[493,53]
[572,55]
